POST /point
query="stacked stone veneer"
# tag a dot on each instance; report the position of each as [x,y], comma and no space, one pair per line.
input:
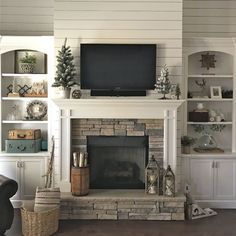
[81,128]
[122,206]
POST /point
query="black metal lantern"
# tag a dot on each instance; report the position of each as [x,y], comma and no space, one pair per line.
[169,183]
[152,176]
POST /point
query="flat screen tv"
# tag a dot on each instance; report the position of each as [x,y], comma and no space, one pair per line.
[118,69]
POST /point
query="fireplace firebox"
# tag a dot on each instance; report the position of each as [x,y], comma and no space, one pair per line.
[117,162]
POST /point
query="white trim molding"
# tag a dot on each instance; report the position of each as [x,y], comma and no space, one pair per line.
[117,108]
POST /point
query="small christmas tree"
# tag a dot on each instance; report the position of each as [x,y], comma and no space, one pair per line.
[65,72]
[177,91]
[163,83]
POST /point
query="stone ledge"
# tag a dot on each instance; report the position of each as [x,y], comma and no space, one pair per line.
[122,204]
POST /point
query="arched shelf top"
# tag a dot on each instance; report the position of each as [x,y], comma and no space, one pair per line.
[195,45]
[22,49]
[210,63]
[43,44]
[211,51]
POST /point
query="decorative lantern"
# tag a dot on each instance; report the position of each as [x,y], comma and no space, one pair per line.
[152,175]
[169,183]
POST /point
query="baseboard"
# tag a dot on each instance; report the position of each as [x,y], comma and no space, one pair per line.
[220,204]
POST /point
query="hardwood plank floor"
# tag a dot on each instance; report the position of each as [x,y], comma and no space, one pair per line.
[224,224]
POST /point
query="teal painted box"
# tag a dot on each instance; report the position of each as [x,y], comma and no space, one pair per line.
[23,146]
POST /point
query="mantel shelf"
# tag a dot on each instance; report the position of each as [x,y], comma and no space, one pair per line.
[74,103]
[123,108]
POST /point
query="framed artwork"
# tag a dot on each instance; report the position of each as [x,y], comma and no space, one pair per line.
[39,58]
[216,92]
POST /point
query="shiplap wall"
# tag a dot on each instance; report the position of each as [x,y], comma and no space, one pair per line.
[121,21]
[206,18]
[26,17]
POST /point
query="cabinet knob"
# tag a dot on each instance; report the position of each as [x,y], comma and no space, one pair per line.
[18,164]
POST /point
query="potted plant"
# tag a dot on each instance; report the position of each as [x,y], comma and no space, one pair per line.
[27,63]
[186,143]
[65,72]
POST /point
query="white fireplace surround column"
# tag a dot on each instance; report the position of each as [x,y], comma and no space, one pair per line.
[116,108]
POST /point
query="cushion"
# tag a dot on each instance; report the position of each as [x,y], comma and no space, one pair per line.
[46,199]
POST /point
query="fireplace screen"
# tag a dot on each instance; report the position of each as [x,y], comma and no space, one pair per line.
[117,162]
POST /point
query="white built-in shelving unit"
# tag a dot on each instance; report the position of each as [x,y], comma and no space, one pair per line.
[26,168]
[211,176]
[223,75]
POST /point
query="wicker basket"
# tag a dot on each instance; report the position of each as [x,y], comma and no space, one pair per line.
[39,223]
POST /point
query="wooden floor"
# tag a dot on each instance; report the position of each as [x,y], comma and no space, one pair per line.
[224,224]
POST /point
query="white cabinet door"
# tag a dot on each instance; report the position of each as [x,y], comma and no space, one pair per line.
[9,168]
[32,170]
[201,178]
[224,179]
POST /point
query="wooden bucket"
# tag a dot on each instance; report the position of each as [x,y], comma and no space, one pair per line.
[80,181]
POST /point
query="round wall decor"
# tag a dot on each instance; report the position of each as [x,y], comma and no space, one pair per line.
[36,110]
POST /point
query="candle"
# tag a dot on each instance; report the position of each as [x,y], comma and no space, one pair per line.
[75,159]
[152,190]
[81,159]
[168,187]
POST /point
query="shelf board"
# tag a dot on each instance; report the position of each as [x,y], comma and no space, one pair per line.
[24,98]
[210,99]
[23,75]
[37,154]
[210,123]
[24,121]
[226,154]
[210,76]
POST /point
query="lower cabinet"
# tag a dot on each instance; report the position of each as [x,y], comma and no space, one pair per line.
[213,179]
[27,171]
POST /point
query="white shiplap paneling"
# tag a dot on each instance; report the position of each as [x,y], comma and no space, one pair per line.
[135,21]
[208,18]
[24,17]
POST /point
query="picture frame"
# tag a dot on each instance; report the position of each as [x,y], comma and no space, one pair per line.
[40,65]
[215,92]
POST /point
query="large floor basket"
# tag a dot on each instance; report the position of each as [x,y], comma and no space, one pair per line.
[39,223]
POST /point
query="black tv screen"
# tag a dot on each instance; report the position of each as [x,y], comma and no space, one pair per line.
[118,67]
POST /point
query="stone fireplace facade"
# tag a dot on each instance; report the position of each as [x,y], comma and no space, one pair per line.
[153,128]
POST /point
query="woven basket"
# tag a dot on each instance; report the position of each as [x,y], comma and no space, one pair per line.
[39,223]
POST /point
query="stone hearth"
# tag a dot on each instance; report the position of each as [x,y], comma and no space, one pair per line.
[122,205]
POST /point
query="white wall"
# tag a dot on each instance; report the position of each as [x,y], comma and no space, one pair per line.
[208,18]
[26,17]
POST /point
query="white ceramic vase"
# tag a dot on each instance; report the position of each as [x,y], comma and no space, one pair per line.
[60,92]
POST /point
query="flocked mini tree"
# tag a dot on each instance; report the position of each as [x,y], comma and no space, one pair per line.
[65,72]
[163,83]
[177,91]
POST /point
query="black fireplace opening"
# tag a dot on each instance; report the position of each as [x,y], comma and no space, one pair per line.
[117,162]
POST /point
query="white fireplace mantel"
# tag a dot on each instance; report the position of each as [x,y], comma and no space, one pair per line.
[116,108]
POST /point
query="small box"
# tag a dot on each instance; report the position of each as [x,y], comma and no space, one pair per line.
[24,134]
[23,146]
[194,116]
